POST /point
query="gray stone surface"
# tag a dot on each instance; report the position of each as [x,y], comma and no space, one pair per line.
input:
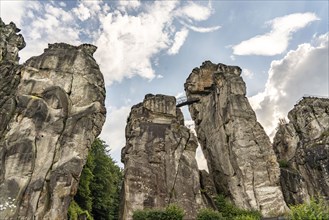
[239,154]
[51,109]
[302,146]
[159,159]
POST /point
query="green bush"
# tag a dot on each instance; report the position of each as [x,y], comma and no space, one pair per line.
[75,211]
[230,211]
[315,210]
[172,212]
[246,217]
[283,164]
[209,214]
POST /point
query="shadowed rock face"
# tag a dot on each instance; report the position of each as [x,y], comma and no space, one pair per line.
[159,159]
[239,154]
[302,147]
[51,110]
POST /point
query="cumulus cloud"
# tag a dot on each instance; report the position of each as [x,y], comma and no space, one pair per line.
[131,4]
[195,11]
[180,37]
[12,11]
[128,40]
[47,24]
[132,50]
[276,41]
[247,73]
[301,72]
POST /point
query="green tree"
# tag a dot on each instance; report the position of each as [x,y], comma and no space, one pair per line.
[99,187]
[106,184]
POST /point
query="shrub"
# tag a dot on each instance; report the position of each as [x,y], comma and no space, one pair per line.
[283,164]
[246,217]
[209,214]
[230,211]
[315,209]
[172,212]
[74,212]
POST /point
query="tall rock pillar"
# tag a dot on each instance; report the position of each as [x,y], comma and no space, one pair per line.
[159,159]
[302,147]
[239,154]
[51,110]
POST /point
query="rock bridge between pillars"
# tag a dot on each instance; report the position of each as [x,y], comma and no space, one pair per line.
[182,101]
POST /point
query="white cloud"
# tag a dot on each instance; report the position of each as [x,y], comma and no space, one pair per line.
[82,12]
[247,73]
[128,42]
[130,50]
[130,4]
[48,24]
[113,132]
[12,11]
[302,71]
[196,12]
[276,41]
[201,29]
[180,37]
[62,4]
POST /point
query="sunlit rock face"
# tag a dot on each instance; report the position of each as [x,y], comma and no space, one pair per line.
[239,154]
[302,147]
[159,159]
[51,110]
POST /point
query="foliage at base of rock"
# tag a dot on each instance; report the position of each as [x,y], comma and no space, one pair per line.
[172,212]
[209,214]
[75,212]
[230,211]
[316,209]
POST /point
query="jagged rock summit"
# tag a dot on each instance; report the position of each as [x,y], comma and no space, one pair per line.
[51,110]
[239,154]
[159,159]
[302,148]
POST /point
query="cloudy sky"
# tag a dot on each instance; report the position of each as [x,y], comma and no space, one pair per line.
[152,46]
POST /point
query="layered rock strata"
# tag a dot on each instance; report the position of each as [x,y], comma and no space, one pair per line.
[239,154]
[159,159]
[302,147]
[51,109]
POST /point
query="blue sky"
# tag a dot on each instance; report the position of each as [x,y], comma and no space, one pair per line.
[152,46]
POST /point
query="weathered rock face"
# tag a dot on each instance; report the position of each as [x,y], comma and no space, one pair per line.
[159,159]
[51,109]
[10,42]
[302,147]
[239,154]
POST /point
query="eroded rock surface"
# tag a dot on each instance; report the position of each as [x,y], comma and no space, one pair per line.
[51,109]
[159,159]
[302,147]
[239,154]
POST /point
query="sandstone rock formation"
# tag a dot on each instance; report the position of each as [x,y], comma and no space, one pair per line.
[302,148]
[51,109]
[239,154]
[159,159]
